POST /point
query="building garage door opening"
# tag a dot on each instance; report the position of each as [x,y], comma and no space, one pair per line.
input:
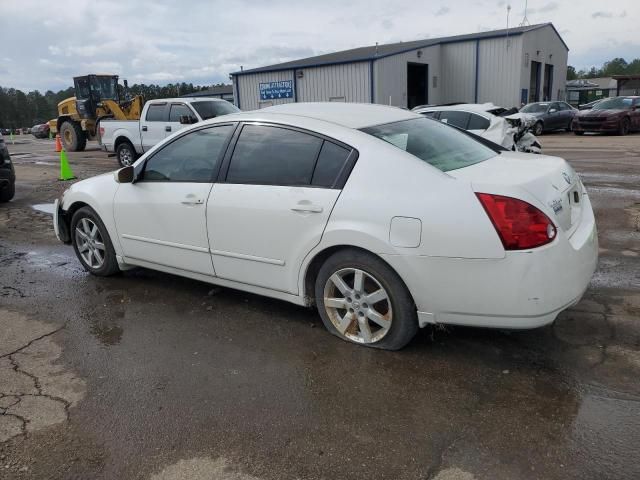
[534,82]
[548,82]
[417,84]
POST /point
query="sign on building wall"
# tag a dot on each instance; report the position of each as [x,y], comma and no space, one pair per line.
[275,90]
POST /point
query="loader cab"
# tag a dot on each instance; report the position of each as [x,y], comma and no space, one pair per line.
[91,90]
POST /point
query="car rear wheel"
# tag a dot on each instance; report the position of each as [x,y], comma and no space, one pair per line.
[92,244]
[538,128]
[623,129]
[362,300]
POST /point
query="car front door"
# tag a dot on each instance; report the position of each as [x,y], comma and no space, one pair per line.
[177,110]
[152,126]
[161,218]
[280,185]
[635,115]
[555,118]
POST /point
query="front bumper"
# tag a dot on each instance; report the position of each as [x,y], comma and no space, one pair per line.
[604,127]
[60,223]
[525,289]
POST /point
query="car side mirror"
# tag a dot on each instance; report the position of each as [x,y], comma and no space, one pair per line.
[125,175]
[187,120]
[552,110]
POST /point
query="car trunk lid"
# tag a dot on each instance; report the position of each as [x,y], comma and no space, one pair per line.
[550,180]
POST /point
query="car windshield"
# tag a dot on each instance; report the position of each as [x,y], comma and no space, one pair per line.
[210,109]
[438,144]
[535,108]
[617,103]
[105,88]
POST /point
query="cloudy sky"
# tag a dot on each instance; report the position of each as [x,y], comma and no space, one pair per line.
[201,41]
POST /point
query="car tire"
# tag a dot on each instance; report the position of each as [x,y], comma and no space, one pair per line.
[624,127]
[8,193]
[569,127]
[389,321]
[578,132]
[538,128]
[72,136]
[126,154]
[94,250]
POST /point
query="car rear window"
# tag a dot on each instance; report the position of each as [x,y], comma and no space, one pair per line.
[214,109]
[438,144]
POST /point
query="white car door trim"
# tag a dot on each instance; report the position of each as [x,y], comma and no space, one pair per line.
[165,243]
[242,256]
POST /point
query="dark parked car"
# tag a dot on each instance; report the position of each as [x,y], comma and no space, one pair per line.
[550,116]
[7,174]
[619,115]
[40,131]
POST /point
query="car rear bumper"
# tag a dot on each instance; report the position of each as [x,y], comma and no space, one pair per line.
[524,289]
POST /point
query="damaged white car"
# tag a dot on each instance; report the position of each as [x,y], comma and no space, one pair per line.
[508,128]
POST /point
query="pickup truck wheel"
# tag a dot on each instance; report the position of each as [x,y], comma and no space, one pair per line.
[8,193]
[73,138]
[126,154]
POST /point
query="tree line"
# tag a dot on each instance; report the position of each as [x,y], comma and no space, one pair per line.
[617,66]
[21,110]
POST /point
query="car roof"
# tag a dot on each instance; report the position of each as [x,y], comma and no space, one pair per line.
[187,99]
[350,115]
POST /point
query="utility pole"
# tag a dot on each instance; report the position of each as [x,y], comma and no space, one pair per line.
[525,20]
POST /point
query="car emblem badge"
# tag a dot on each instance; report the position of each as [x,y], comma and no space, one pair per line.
[556,205]
[566,177]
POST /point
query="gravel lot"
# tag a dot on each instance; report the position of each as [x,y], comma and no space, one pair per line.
[146,375]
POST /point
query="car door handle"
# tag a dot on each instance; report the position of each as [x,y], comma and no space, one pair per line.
[307,208]
[192,201]
[144,128]
[167,128]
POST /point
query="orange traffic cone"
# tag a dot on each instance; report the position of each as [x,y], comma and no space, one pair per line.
[58,144]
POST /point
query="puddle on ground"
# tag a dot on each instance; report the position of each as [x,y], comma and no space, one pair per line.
[107,334]
[44,208]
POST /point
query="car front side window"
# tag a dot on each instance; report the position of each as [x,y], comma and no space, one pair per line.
[193,157]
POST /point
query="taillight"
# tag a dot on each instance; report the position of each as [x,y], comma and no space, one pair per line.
[101,131]
[519,224]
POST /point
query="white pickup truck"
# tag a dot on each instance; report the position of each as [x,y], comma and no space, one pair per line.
[159,119]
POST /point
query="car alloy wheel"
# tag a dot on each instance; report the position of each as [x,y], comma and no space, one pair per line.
[537,128]
[357,305]
[90,243]
[125,157]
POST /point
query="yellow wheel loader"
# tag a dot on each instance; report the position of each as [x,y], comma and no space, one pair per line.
[97,97]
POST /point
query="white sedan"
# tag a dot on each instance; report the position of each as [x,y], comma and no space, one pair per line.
[385,220]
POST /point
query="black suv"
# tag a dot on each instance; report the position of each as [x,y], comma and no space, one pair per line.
[7,174]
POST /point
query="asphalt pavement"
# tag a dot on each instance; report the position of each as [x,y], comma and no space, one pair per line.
[151,376]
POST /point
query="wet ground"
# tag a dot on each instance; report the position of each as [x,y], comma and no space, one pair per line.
[151,376]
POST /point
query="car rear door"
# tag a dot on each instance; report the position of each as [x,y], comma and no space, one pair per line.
[152,126]
[272,202]
[177,110]
[161,218]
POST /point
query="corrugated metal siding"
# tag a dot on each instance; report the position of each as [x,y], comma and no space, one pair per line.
[249,88]
[552,51]
[390,78]
[322,84]
[499,71]
[458,72]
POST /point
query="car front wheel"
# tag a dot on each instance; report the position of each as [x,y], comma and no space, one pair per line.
[92,244]
[624,127]
[538,128]
[362,300]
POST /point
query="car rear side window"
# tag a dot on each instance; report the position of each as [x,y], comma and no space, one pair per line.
[273,156]
[439,145]
[455,118]
[476,122]
[194,157]
[331,161]
[155,112]
[178,110]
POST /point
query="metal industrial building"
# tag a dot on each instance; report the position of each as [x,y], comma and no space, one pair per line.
[507,67]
